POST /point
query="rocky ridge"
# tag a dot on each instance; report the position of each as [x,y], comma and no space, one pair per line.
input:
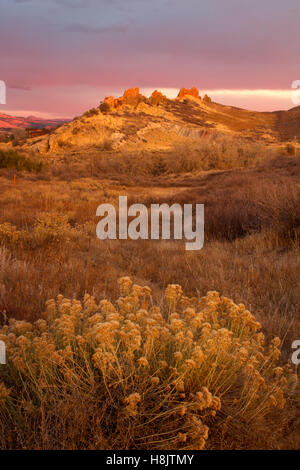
[155,123]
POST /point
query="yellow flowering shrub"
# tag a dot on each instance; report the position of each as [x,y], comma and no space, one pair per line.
[133,375]
[11,236]
[51,227]
[48,228]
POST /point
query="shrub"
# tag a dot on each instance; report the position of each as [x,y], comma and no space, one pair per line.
[280,212]
[159,167]
[290,149]
[208,153]
[11,236]
[106,144]
[91,112]
[104,107]
[135,376]
[64,144]
[12,159]
[51,227]
[223,152]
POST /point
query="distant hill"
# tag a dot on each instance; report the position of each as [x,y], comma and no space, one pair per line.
[134,122]
[15,122]
[288,123]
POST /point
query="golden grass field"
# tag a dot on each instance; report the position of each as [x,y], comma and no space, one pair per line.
[168,357]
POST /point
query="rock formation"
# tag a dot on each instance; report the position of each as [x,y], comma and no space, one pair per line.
[188,92]
[130,97]
[131,93]
[110,101]
[157,98]
[206,99]
[134,122]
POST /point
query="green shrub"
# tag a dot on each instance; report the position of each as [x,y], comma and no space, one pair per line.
[104,107]
[91,112]
[12,159]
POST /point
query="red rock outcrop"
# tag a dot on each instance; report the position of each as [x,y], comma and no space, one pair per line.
[157,98]
[131,93]
[188,92]
[131,97]
[206,99]
[110,101]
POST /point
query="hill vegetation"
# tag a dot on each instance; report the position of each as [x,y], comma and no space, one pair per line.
[136,123]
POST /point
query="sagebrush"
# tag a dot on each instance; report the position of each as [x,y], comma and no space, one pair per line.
[136,375]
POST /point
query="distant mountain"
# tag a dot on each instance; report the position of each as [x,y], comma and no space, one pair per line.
[134,122]
[15,122]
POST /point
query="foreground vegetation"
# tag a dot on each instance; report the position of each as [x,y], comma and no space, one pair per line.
[251,255]
[138,376]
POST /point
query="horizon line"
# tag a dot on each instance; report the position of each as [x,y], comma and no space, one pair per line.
[171,93]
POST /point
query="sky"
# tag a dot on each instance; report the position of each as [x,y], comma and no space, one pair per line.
[59,58]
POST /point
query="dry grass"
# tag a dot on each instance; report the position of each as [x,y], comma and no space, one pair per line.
[251,255]
[212,152]
[242,202]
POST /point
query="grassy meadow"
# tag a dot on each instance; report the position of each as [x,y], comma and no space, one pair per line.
[141,344]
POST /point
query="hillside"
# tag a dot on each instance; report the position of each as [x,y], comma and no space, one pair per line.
[50,254]
[29,122]
[158,123]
